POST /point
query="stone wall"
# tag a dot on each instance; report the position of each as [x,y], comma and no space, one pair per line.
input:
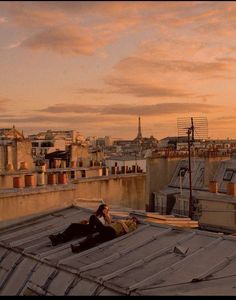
[16,152]
[125,191]
[159,173]
[81,153]
[26,203]
[217,211]
[23,153]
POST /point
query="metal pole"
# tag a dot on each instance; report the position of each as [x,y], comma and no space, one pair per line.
[190,176]
[181,181]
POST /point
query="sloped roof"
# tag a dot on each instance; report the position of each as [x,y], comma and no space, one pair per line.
[58,154]
[181,173]
[11,133]
[225,173]
[152,260]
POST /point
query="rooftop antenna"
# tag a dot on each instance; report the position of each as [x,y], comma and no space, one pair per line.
[197,126]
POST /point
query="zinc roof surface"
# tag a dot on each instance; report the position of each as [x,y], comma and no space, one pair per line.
[152,260]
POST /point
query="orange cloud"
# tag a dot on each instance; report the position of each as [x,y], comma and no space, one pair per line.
[4,103]
[125,109]
[67,40]
[157,65]
[2,20]
[4,100]
[50,13]
[138,89]
[32,14]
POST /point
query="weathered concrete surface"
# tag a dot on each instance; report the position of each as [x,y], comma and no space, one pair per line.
[161,169]
[126,191]
[123,190]
[159,173]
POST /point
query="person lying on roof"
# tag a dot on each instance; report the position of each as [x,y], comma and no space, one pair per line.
[84,228]
[106,233]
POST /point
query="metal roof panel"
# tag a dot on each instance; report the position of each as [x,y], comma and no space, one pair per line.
[148,261]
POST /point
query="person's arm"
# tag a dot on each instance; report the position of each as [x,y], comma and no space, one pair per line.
[108,218]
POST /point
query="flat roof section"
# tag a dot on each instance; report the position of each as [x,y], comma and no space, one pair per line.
[155,259]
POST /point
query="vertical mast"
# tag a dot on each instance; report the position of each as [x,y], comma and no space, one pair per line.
[139,136]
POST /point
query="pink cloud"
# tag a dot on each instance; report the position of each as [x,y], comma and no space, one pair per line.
[4,103]
[32,14]
[126,109]
[67,40]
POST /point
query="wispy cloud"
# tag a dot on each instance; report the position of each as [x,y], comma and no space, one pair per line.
[2,20]
[94,91]
[158,109]
[48,13]
[68,40]
[138,89]
[58,120]
[227,118]
[12,46]
[4,103]
[34,14]
[71,108]
[125,109]
[173,65]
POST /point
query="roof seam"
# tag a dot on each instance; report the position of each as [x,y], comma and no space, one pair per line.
[171,268]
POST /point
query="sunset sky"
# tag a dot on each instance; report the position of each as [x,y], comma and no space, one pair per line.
[97,66]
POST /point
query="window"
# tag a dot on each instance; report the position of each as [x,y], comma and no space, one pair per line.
[229,173]
[47,144]
[182,171]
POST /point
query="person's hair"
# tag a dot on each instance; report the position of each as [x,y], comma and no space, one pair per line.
[99,211]
[135,219]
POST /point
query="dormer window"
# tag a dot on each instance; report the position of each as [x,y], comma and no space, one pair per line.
[182,171]
[229,173]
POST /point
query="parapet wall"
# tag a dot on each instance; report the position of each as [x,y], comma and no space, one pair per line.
[125,191]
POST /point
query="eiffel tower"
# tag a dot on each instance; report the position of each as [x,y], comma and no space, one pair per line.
[139,135]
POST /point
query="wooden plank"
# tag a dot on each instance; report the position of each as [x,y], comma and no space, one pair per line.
[170,220]
[179,223]
[167,217]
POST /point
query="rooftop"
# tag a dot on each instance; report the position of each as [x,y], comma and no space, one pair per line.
[155,259]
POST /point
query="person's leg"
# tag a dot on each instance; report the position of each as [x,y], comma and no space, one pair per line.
[90,241]
[74,230]
[107,234]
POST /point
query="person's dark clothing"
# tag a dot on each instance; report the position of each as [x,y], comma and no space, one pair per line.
[105,233]
[81,230]
[77,230]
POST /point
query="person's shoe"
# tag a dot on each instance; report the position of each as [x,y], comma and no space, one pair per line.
[53,239]
[75,248]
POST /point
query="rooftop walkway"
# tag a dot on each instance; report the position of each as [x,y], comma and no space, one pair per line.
[155,259]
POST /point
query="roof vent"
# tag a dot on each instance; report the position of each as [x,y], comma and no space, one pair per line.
[181,250]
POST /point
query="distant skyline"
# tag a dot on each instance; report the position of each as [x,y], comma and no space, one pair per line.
[96,66]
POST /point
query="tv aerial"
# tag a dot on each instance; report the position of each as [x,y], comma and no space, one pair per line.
[192,127]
